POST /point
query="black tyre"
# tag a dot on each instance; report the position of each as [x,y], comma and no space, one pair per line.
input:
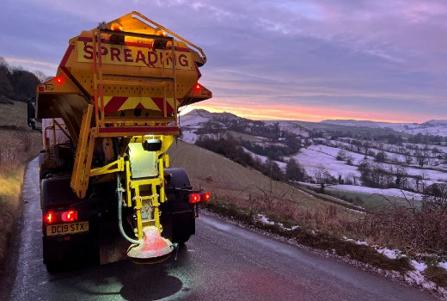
[178,216]
[59,255]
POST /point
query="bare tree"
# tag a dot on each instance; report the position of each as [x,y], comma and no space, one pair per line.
[408,157]
[322,177]
[421,158]
[401,177]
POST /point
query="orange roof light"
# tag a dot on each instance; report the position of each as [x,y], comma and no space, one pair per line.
[116,27]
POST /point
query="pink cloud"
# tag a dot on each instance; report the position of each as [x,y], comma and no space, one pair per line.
[278,111]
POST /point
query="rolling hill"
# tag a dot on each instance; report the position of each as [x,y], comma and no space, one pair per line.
[351,156]
[232,183]
[431,127]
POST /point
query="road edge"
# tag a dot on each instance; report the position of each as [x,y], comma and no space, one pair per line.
[329,247]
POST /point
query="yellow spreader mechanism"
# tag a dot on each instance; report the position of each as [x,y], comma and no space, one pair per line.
[145,191]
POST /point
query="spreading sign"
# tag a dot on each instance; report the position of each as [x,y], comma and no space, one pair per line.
[141,56]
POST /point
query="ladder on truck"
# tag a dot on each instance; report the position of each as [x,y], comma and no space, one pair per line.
[96,123]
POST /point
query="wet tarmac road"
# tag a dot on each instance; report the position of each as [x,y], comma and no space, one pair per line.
[221,262]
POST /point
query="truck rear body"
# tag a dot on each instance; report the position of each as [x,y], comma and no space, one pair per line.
[109,117]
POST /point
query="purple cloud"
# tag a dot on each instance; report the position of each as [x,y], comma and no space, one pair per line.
[379,56]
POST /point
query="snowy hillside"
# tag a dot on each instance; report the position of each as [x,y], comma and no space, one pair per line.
[432,127]
[363,123]
[348,156]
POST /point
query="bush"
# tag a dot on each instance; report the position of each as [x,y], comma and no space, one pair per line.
[227,147]
[416,229]
[380,157]
[230,148]
[294,171]
[341,155]
[15,83]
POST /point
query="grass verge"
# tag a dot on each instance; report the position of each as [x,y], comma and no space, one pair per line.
[10,181]
[317,240]
[18,147]
[436,274]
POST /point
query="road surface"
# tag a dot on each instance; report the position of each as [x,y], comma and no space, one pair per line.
[221,262]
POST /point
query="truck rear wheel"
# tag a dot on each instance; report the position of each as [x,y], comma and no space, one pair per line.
[178,216]
[60,255]
[53,263]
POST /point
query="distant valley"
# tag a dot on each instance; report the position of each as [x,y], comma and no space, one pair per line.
[354,160]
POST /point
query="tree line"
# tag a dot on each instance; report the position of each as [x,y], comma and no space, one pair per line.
[232,149]
[16,84]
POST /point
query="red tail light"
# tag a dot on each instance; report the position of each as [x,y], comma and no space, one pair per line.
[59,80]
[205,197]
[50,217]
[194,198]
[69,216]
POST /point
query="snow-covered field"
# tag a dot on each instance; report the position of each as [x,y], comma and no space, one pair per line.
[388,192]
[392,192]
[263,159]
[432,127]
[189,136]
[292,127]
[318,156]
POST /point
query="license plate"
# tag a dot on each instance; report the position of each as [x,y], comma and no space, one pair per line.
[71,228]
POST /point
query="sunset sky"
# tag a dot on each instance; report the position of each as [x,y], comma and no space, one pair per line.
[307,60]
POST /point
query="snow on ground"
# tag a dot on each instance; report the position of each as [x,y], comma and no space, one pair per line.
[392,151]
[434,127]
[443,265]
[392,192]
[442,148]
[333,151]
[326,152]
[389,155]
[194,119]
[433,130]
[290,126]
[418,266]
[390,253]
[265,220]
[281,165]
[189,137]
[314,160]
[429,174]
[293,128]
[416,276]
[357,242]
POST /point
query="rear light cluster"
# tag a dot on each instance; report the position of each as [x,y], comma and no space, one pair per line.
[59,80]
[195,198]
[52,217]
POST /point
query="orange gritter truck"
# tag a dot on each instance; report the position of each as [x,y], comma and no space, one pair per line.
[109,117]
